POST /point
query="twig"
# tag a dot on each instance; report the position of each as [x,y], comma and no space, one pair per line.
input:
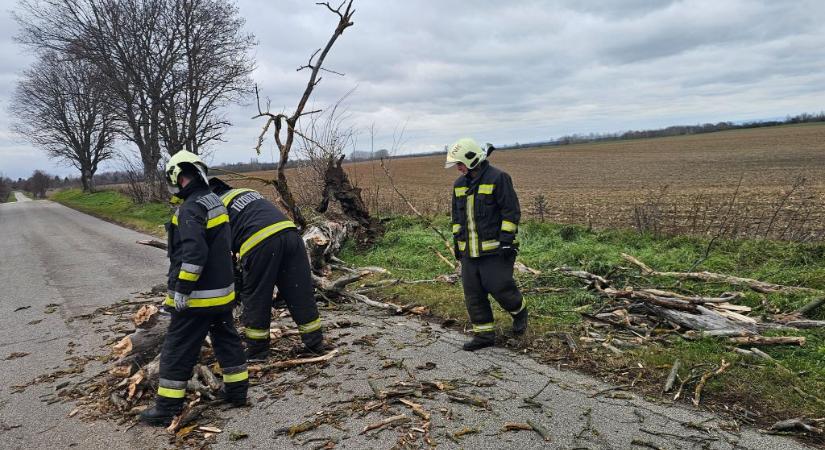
[697,394]
[540,429]
[385,422]
[671,378]
[295,362]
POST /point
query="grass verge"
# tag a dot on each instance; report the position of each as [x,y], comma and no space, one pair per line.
[752,390]
[116,207]
[11,198]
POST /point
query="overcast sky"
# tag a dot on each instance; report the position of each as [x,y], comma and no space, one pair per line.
[516,71]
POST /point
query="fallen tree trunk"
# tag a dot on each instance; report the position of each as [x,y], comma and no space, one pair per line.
[756,285]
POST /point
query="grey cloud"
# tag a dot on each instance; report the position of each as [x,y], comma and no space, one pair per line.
[528,70]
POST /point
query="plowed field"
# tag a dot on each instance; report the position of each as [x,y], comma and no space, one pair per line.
[758,182]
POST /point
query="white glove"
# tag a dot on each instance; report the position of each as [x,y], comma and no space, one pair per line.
[181,301]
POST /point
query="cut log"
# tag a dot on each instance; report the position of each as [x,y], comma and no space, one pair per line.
[144,344]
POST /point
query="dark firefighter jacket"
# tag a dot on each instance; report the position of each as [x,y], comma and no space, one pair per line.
[485,212]
[253,219]
[199,251]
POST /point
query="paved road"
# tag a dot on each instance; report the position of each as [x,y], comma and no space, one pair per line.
[21,197]
[53,255]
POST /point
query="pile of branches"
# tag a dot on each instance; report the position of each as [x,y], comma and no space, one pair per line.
[129,383]
[648,313]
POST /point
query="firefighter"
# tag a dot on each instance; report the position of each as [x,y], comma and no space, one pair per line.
[485,215]
[201,292]
[270,253]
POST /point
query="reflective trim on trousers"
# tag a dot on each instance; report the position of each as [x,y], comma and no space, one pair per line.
[256,333]
[310,327]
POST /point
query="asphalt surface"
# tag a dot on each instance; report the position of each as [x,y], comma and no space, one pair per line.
[58,263]
[21,197]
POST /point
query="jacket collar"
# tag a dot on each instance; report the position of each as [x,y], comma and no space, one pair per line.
[478,174]
[191,188]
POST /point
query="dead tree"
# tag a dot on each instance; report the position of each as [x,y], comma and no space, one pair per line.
[60,106]
[286,127]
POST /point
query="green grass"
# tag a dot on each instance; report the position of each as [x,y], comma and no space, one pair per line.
[407,250]
[11,198]
[116,207]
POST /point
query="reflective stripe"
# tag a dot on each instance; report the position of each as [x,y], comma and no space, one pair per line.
[489,245]
[172,384]
[227,197]
[188,276]
[486,188]
[234,369]
[262,234]
[460,191]
[171,393]
[471,226]
[191,268]
[211,293]
[212,223]
[256,333]
[508,226]
[462,245]
[235,377]
[456,228]
[523,305]
[483,327]
[206,298]
[215,212]
[310,327]
[220,217]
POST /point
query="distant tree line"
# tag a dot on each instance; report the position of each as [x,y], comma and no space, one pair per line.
[676,130]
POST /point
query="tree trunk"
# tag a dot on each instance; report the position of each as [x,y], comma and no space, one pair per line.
[338,187]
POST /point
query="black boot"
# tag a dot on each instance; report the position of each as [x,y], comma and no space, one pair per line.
[480,340]
[520,322]
[163,412]
[314,342]
[234,393]
[257,349]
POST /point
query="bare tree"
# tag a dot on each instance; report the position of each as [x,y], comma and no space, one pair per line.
[286,126]
[213,70]
[169,65]
[61,107]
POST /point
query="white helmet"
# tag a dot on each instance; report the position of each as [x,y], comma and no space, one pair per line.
[176,165]
[465,151]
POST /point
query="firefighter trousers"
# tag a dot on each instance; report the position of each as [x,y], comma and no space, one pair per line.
[280,260]
[489,275]
[182,347]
